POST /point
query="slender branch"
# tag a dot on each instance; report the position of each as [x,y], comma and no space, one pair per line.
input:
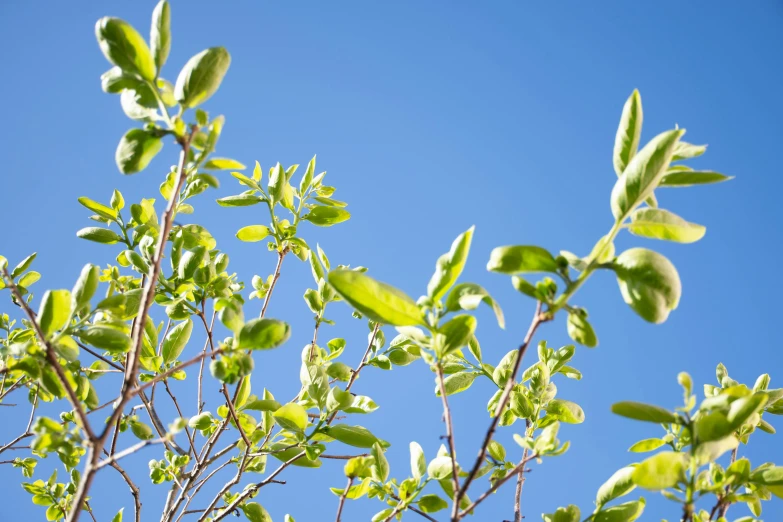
[175,369]
[449,435]
[268,297]
[126,452]
[199,396]
[252,489]
[724,506]
[26,432]
[51,357]
[519,468]
[342,500]
[520,482]
[134,355]
[133,488]
[538,319]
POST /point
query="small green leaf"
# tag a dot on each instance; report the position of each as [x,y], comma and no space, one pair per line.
[201,76]
[176,340]
[356,436]
[649,283]
[106,338]
[644,412]
[627,512]
[327,216]
[566,411]
[449,266]
[54,311]
[657,223]
[263,334]
[643,446]
[380,470]
[467,296]
[123,46]
[626,142]
[223,164]
[255,512]
[454,334]
[431,503]
[580,330]
[688,178]
[160,33]
[661,471]
[643,173]
[521,259]
[456,382]
[253,233]
[566,514]
[99,235]
[136,149]
[378,301]
[619,484]
[85,286]
[101,210]
[418,463]
[291,416]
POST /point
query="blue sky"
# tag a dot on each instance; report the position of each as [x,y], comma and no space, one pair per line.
[431,117]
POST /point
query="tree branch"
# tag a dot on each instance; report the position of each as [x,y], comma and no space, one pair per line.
[449,435]
[342,499]
[519,468]
[538,319]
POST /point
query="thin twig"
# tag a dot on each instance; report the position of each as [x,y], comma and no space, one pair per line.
[517,469]
[449,434]
[26,432]
[128,451]
[342,499]
[538,319]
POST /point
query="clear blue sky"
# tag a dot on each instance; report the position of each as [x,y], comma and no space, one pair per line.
[431,117]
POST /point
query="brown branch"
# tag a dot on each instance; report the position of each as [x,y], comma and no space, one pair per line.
[137,334]
[519,468]
[342,499]
[268,297]
[128,451]
[520,481]
[26,432]
[199,396]
[133,488]
[449,435]
[538,319]
[724,506]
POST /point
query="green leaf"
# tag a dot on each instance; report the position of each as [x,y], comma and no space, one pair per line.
[291,416]
[649,283]
[644,412]
[449,266]
[626,142]
[356,436]
[661,471]
[118,516]
[123,46]
[688,178]
[580,330]
[521,259]
[439,468]
[418,462]
[643,173]
[201,76]
[431,503]
[566,514]
[85,286]
[101,210]
[378,301]
[456,383]
[380,470]
[245,199]
[255,512]
[99,235]
[253,233]
[136,149]
[281,452]
[201,421]
[467,296]
[566,411]
[327,216]
[685,150]
[223,164]
[657,223]
[189,262]
[643,446]
[263,334]
[454,334]
[106,338]
[771,476]
[627,512]
[160,33]
[54,311]
[176,340]
[619,484]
